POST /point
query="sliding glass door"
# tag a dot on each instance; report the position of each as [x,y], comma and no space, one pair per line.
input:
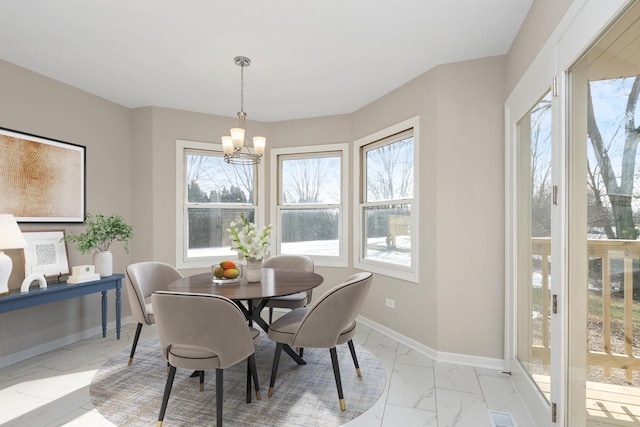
[604,231]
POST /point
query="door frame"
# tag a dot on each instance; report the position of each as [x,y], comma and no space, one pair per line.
[578,29]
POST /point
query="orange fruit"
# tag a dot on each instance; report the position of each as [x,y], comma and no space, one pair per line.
[227,264]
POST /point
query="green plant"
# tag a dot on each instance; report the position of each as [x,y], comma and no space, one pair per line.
[101,232]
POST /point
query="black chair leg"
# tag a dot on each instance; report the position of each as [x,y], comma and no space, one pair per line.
[274,368]
[301,351]
[218,397]
[201,380]
[248,400]
[254,373]
[135,343]
[336,374]
[167,392]
[352,349]
[270,315]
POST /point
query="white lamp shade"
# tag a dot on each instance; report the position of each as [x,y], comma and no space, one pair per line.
[227,144]
[10,235]
[258,144]
[237,134]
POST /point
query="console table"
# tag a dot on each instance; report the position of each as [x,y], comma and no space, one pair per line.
[60,291]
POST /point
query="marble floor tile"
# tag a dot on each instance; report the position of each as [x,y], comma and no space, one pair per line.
[409,356]
[461,409]
[402,416]
[456,377]
[501,395]
[372,416]
[412,387]
[52,389]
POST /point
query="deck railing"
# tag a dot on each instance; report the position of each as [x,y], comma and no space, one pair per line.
[626,251]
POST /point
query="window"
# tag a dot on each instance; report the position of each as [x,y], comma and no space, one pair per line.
[310,211]
[213,193]
[386,222]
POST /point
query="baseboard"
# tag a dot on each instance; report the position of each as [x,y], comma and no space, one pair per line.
[439,356]
[10,359]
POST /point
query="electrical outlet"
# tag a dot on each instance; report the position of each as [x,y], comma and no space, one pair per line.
[391,303]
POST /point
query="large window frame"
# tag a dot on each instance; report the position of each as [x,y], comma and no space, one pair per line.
[360,147]
[278,155]
[183,261]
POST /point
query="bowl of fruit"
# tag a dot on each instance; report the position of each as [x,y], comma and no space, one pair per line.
[226,271]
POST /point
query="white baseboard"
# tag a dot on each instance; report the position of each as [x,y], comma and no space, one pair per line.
[439,356]
[10,359]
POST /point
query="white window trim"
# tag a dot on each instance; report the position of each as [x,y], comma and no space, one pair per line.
[359,261]
[321,261]
[181,226]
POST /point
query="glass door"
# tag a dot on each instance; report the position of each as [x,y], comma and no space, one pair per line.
[534,198]
[604,230]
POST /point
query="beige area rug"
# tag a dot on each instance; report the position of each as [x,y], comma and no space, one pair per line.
[304,395]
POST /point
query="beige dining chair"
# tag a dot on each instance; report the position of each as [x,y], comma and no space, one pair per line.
[289,262]
[328,322]
[202,332]
[144,279]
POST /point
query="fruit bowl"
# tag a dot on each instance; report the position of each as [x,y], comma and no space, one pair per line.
[226,272]
[214,280]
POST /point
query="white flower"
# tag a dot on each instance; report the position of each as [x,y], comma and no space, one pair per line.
[247,241]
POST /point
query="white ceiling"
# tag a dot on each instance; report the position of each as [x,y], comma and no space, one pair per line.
[309,58]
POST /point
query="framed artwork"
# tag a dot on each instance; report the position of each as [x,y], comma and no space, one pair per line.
[41,179]
[46,253]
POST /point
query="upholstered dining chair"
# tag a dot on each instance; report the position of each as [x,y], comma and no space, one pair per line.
[202,332]
[144,279]
[289,262]
[328,322]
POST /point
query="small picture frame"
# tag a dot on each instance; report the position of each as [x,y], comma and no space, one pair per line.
[46,253]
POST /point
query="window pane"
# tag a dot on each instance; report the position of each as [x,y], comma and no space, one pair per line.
[389,171]
[211,180]
[388,234]
[310,232]
[314,180]
[208,235]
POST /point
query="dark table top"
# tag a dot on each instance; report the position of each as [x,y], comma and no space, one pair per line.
[275,282]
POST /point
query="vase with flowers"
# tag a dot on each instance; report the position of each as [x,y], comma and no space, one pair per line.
[251,244]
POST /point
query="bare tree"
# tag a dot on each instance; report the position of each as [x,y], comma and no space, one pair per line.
[308,181]
[218,175]
[618,190]
[541,168]
[390,170]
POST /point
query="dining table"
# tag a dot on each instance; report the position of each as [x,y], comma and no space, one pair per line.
[274,282]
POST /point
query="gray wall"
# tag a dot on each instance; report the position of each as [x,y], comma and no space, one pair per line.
[38,105]
[458,304]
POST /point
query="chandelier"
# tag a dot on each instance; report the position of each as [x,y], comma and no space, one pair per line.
[233,146]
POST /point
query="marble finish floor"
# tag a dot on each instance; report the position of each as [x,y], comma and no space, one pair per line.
[53,389]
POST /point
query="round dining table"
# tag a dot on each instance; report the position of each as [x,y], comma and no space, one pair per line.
[275,282]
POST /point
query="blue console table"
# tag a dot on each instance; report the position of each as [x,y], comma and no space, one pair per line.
[60,291]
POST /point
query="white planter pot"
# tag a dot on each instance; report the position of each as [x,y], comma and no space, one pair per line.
[253,270]
[103,262]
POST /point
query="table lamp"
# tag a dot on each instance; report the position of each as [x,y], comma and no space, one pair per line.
[10,238]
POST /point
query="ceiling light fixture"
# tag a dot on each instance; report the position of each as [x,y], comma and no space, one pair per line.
[235,151]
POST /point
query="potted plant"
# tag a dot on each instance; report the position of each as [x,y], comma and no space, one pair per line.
[101,232]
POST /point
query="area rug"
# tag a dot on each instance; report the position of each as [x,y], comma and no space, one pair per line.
[304,395]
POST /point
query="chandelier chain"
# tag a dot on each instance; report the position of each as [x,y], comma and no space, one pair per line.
[242,87]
